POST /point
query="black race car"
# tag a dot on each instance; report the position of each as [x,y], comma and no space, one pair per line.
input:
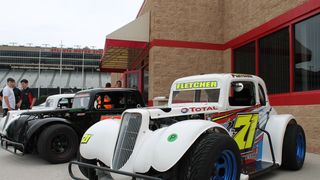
[55,134]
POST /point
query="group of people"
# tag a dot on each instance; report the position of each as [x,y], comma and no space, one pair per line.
[14,98]
[118,84]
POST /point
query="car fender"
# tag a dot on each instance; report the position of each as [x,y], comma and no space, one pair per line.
[39,124]
[7,120]
[99,141]
[158,151]
[276,126]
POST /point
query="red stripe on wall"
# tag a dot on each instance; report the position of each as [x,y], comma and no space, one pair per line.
[124,43]
[295,98]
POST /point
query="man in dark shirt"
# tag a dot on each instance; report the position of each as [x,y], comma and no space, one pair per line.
[27,97]
[17,96]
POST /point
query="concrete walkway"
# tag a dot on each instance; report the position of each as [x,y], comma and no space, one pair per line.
[14,167]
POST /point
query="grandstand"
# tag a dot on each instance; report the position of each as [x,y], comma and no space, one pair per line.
[41,66]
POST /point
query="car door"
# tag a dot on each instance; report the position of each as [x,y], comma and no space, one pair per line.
[243,104]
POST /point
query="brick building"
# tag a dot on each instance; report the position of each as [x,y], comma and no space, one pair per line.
[278,40]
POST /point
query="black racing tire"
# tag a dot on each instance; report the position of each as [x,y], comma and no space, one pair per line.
[212,155]
[294,147]
[58,143]
[87,172]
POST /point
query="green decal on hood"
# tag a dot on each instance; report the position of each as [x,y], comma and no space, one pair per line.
[172,137]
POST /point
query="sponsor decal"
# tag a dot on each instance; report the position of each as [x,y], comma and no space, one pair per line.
[184,110]
[85,138]
[242,75]
[198,109]
[197,85]
[172,137]
[245,125]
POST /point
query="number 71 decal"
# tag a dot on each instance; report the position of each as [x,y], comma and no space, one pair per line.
[85,138]
[245,125]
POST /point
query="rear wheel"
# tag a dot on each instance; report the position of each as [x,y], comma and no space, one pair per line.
[58,143]
[294,147]
[213,156]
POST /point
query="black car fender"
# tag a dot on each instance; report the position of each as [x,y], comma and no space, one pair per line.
[41,124]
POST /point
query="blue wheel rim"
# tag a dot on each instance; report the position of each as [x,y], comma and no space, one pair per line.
[300,147]
[225,167]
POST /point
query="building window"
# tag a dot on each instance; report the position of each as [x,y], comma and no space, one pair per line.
[274,61]
[307,54]
[244,59]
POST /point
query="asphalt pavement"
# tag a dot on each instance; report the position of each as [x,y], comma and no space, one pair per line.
[31,167]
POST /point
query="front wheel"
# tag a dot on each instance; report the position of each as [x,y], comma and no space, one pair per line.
[294,147]
[58,143]
[87,172]
[213,156]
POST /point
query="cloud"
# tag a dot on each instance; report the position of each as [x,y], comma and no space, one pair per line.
[74,22]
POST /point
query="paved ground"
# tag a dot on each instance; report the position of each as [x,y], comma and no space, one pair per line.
[13,167]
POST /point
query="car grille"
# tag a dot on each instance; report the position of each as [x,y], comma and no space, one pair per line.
[127,137]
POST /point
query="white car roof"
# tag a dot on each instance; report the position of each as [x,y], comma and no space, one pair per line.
[220,76]
[61,96]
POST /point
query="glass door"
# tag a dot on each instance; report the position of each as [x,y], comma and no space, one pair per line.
[134,79]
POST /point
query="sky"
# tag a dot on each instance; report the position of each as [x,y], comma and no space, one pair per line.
[72,22]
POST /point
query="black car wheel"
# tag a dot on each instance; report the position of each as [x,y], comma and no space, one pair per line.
[213,156]
[294,147]
[58,143]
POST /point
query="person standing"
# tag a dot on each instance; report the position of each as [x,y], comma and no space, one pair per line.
[8,99]
[17,96]
[27,97]
[108,85]
[118,84]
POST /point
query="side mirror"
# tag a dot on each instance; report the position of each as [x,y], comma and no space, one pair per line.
[238,87]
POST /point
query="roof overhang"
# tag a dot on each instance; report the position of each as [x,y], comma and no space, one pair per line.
[126,45]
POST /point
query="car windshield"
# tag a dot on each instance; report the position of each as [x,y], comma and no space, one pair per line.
[49,103]
[81,100]
[196,96]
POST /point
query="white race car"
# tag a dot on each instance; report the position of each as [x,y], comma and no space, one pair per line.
[216,126]
[58,101]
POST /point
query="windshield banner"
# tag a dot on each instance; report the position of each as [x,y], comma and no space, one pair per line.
[197,85]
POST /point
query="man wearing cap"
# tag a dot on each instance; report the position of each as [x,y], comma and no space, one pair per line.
[27,97]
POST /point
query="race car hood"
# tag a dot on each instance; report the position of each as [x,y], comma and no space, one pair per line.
[201,108]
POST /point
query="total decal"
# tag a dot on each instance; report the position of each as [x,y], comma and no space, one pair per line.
[198,109]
